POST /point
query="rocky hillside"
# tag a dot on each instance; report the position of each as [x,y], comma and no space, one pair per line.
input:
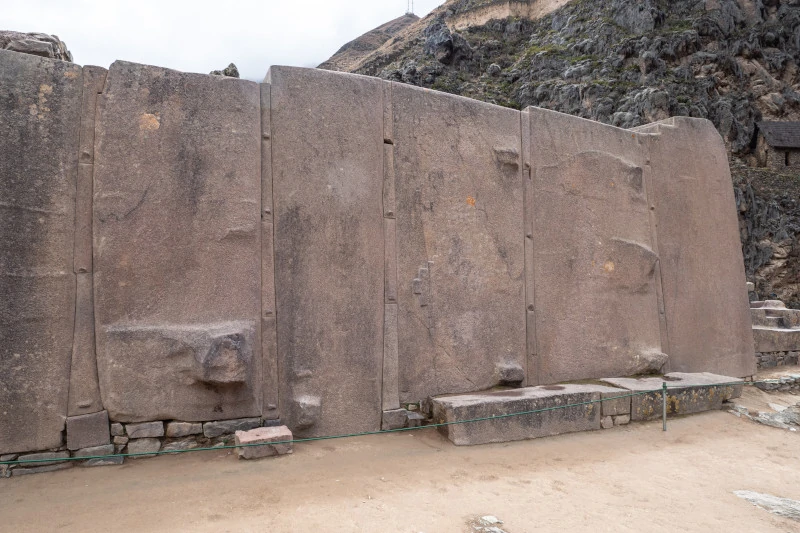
[627,63]
[356,50]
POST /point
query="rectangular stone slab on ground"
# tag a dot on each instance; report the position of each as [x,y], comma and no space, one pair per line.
[686,393]
[40,104]
[264,436]
[530,426]
[177,245]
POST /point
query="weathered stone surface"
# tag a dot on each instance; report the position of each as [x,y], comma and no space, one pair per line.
[265,436]
[686,393]
[148,446]
[106,449]
[183,429]
[775,339]
[104,461]
[177,245]
[120,441]
[548,423]
[20,471]
[702,270]
[416,420]
[145,430]
[394,419]
[622,420]
[607,422]
[595,262]
[44,458]
[327,145]
[229,427]
[39,127]
[39,44]
[117,429]
[84,431]
[183,444]
[84,390]
[617,405]
[460,250]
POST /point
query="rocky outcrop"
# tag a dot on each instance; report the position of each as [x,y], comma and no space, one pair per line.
[351,53]
[38,44]
[231,71]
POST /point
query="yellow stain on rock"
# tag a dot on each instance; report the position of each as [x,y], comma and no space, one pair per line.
[609,267]
[471,201]
[149,122]
[71,74]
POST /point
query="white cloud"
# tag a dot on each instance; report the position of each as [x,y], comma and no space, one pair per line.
[202,35]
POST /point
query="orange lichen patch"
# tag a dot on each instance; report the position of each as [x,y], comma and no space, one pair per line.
[609,267]
[149,122]
[471,201]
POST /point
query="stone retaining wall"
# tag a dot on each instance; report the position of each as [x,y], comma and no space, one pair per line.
[322,248]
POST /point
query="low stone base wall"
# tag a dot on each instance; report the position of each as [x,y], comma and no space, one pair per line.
[790,383]
[766,360]
[146,438]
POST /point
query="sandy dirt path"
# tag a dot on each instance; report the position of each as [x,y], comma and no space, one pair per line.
[630,479]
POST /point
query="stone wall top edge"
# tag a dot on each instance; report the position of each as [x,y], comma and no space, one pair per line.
[6,55]
[120,64]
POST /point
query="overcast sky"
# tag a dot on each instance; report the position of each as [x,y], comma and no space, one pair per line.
[203,35]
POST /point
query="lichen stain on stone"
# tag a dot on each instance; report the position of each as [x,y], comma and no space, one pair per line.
[40,107]
[609,267]
[71,74]
[149,122]
[471,201]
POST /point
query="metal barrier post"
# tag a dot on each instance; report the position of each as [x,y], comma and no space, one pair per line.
[664,403]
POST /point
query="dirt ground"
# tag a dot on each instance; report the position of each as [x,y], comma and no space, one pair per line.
[634,478]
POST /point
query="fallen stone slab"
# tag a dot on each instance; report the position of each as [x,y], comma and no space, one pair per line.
[266,436]
[687,393]
[226,427]
[775,505]
[145,430]
[480,405]
[44,458]
[394,419]
[40,469]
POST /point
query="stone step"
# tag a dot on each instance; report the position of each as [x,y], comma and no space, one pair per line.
[686,393]
[495,403]
[776,339]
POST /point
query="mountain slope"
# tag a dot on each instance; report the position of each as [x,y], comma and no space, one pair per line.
[627,63]
[350,54]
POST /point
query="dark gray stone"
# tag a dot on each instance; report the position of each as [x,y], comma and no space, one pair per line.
[19,471]
[145,430]
[40,102]
[44,458]
[107,449]
[394,419]
[84,431]
[229,427]
[117,429]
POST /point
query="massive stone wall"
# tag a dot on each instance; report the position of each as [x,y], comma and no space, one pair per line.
[326,249]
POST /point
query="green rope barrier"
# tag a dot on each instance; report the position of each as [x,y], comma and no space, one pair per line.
[381,432]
